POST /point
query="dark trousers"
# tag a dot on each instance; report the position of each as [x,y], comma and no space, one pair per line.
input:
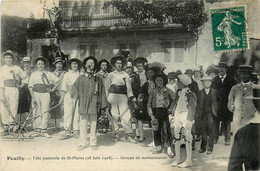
[208,132]
[226,128]
[163,134]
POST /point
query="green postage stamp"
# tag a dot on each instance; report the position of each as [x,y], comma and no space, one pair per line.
[229,28]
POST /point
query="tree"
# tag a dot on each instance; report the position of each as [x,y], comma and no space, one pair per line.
[13,30]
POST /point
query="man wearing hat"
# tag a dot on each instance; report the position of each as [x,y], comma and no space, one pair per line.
[212,71]
[92,100]
[207,112]
[172,85]
[59,72]
[138,81]
[104,70]
[245,150]
[57,113]
[193,86]
[242,109]
[129,69]
[41,84]
[119,94]
[71,113]
[9,93]
[223,83]
[24,94]
[184,114]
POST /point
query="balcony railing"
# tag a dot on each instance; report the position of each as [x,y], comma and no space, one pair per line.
[92,17]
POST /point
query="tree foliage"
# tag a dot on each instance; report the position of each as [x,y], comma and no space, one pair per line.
[190,13]
[13,30]
[37,28]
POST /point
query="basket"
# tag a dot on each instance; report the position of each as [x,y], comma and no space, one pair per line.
[155,124]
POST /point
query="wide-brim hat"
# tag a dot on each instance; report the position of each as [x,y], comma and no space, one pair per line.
[245,68]
[212,70]
[222,65]
[68,64]
[115,58]
[154,69]
[95,62]
[172,75]
[140,60]
[157,65]
[163,76]
[256,93]
[184,79]
[58,59]
[45,60]
[9,52]
[108,64]
[129,65]
[26,59]
[206,78]
[188,71]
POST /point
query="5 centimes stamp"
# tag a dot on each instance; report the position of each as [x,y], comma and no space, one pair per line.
[229,28]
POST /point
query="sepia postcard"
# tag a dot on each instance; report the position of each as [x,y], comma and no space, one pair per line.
[130,85]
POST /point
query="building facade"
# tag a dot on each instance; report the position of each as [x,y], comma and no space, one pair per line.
[91,30]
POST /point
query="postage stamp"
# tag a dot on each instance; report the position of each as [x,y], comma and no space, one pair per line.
[229,28]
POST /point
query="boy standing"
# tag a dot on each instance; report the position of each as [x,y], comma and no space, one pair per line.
[207,112]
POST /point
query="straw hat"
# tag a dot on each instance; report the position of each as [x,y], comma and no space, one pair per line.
[185,79]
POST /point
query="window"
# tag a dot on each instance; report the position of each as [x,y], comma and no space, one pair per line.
[98,6]
[131,46]
[167,52]
[83,51]
[92,49]
[133,49]
[178,51]
[87,50]
[122,46]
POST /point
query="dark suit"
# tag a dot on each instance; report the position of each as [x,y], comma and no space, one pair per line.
[246,149]
[135,83]
[141,113]
[207,112]
[224,115]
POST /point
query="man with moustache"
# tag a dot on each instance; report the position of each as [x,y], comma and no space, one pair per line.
[92,99]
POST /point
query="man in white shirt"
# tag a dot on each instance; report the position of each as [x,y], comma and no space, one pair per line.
[40,86]
[9,93]
[71,114]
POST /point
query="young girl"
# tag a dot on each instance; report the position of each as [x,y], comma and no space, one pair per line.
[160,105]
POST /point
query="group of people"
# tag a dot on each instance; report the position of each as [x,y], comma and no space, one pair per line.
[180,107]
